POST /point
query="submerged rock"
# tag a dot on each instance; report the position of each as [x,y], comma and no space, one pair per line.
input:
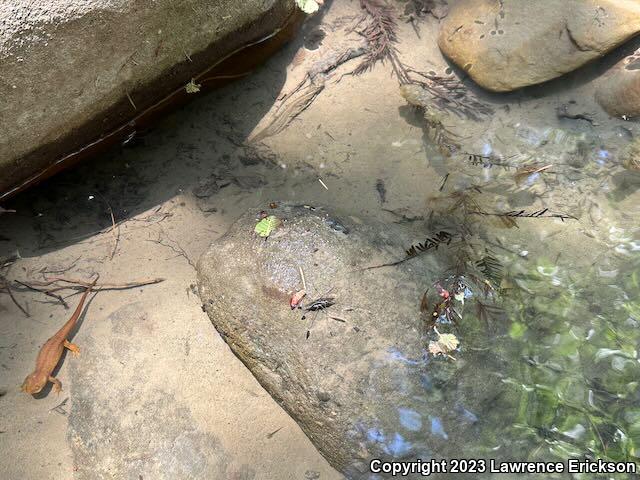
[79,74]
[356,377]
[124,421]
[619,92]
[508,45]
[630,156]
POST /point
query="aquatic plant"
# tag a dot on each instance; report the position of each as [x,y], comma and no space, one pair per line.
[576,388]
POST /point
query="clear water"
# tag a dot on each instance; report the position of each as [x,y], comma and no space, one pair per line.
[560,349]
[559,341]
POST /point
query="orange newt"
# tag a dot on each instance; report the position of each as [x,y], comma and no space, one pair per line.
[51,351]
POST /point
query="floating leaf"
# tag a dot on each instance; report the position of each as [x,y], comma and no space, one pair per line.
[447,342]
[267,225]
[192,87]
[308,6]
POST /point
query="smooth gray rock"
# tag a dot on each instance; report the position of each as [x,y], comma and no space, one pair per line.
[361,385]
[123,424]
[75,70]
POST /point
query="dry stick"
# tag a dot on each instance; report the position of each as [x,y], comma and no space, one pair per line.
[44,270]
[47,293]
[81,285]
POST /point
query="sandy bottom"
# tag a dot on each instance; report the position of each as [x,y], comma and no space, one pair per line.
[178,188]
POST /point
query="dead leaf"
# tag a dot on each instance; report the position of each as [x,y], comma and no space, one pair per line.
[446,343]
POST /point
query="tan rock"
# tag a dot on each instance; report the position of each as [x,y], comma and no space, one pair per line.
[506,45]
[619,92]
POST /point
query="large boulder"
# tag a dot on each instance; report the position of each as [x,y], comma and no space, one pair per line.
[508,45]
[619,92]
[75,73]
[356,377]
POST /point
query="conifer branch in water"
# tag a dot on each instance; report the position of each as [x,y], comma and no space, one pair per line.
[487,311]
[450,94]
[380,34]
[543,213]
[487,161]
[490,267]
[431,243]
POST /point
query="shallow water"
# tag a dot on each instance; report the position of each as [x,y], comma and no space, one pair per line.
[558,336]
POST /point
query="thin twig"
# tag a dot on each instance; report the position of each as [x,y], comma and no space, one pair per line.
[177,248]
[47,293]
[44,270]
[81,285]
[22,309]
[116,235]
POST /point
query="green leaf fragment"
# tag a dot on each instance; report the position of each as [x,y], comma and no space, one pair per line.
[192,87]
[266,226]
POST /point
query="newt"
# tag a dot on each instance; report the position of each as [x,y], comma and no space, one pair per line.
[50,353]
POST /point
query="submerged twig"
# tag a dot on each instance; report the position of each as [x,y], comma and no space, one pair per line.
[5,210]
[488,161]
[5,286]
[47,293]
[177,248]
[81,285]
[7,289]
[544,213]
[526,172]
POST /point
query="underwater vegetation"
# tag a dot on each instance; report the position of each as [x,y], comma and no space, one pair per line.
[577,383]
[565,332]
[631,156]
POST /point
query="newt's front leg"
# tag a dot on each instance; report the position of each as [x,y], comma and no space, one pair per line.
[75,350]
[57,384]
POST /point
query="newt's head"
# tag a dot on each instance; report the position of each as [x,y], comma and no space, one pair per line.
[34,382]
